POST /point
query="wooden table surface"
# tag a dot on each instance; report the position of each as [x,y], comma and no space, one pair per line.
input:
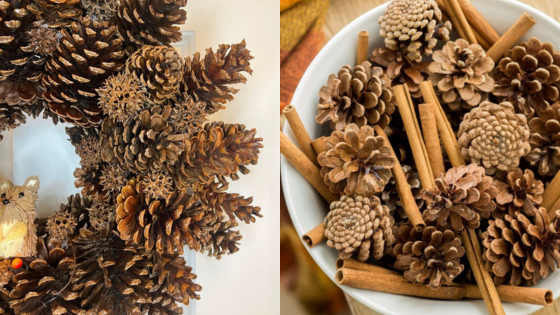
[341,12]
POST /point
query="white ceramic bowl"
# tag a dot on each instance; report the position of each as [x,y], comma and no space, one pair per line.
[306,207]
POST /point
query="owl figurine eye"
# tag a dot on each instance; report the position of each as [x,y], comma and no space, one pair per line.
[21,195]
[3,195]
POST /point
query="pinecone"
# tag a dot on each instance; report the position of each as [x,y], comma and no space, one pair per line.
[102,10]
[356,161]
[62,225]
[222,240]
[461,197]
[113,178]
[150,22]
[521,250]
[413,26]
[400,69]
[494,136]
[431,257]
[529,77]
[390,194]
[89,151]
[56,13]
[157,185]
[88,54]
[208,80]
[6,272]
[122,97]
[159,68]
[11,117]
[101,215]
[361,95]
[89,180]
[43,40]
[545,142]
[78,206]
[520,192]
[188,117]
[21,69]
[461,74]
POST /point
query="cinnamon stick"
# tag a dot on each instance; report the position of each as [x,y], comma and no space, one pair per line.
[481,40]
[479,23]
[315,237]
[551,195]
[302,137]
[552,212]
[453,5]
[363,43]
[431,138]
[320,145]
[513,34]
[453,18]
[405,194]
[306,168]
[356,265]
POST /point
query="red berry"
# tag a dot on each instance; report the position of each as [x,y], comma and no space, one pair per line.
[17,263]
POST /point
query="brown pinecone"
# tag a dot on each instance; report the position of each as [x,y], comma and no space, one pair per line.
[361,95]
[209,79]
[545,141]
[460,73]
[89,52]
[113,178]
[56,13]
[390,194]
[494,136]
[461,197]
[521,250]
[101,215]
[356,161]
[218,150]
[89,180]
[157,185]
[62,225]
[529,77]
[102,10]
[432,256]
[159,68]
[11,117]
[78,206]
[188,116]
[43,40]
[413,26]
[401,69]
[21,69]
[222,240]
[520,192]
[150,22]
[89,151]
[6,272]
[215,196]
[122,97]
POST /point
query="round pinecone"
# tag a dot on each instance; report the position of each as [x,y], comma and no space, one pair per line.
[101,10]
[88,54]
[529,77]
[461,74]
[101,215]
[62,225]
[390,194]
[56,13]
[521,250]
[89,151]
[113,178]
[461,197]
[157,185]
[413,26]
[545,141]
[122,97]
[159,68]
[78,206]
[356,161]
[11,117]
[361,95]
[359,225]
[520,192]
[188,116]
[432,256]
[494,136]
[43,40]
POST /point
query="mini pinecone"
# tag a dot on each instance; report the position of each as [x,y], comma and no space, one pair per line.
[359,225]
[461,74]
[356,161]
[529,77]
[400,69]
[62,225]
[43,40]
[101,215]
[159,68]
[6,272]
[494,136]
[413,26]
[520,192]
[431,257]
[390,194]
[150,22]
[102,10]
[113,178]
[89,52]
[11,117]
[545,142]
[122,97]
[461,197]
[361,95]
[89,151]
[521,250]
[157,185]
[21,69]
[209,79]
[223,240]
[78,206]
[56,13]
[89,180]
[188,117]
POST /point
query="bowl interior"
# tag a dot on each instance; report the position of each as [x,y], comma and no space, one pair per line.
[307,209]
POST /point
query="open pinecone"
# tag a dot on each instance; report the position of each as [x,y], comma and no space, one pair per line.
[102,10]
[11,117]
[56,13]
[361,95]
[101,215]
[545,141]
[43,40]
[529,77]
[461,74]
[359,225]
[413,26]
[521,250]
[520,192]
[122,97]
[494,136]
[89,151]
[88,178]
[88,54]
[188,116]
[390,194]
[6,272]
[62,224]
[113,178]
[461,197]
[431,257]
[356,161]
[209,79]
[78,206]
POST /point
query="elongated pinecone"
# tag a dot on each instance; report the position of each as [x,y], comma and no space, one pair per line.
[11,117]
[494,136]
[520,192]
[431,257]
[529,77]
[413,26]
[222,240]
[545,141]
[461,74]
[356,161]
[56,13]
[521,250]
[461,197]
[390,194]
[209,79]
[88,54]
[361,95]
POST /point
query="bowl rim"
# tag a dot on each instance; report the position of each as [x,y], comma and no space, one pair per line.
[290,202]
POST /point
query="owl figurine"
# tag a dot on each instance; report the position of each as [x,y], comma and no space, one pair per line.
[18,209]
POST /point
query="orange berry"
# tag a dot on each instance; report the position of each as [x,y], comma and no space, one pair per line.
[17,263]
